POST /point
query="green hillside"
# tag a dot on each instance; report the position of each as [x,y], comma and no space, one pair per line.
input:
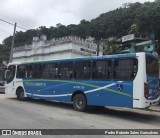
[114,23]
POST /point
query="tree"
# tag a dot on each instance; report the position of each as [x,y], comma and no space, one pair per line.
[110,47]
[113,23]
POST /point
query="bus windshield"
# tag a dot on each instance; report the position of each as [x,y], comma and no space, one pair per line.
[152,68]
[10,73]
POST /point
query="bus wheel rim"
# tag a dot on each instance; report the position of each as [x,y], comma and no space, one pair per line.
[22,94]
[80,103]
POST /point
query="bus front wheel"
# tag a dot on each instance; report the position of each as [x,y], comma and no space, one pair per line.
[21,95]
[80,102]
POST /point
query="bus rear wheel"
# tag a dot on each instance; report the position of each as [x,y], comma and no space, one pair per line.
[21,95]
[80,102]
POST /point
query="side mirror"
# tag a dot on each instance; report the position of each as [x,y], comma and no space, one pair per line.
[6,74]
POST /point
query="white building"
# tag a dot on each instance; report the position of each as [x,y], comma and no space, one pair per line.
[61,48]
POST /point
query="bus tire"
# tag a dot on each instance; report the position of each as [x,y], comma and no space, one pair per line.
[80,102]
[21,95]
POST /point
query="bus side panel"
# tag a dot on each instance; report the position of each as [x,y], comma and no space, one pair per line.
[100,93]
[114,94]
[49,90]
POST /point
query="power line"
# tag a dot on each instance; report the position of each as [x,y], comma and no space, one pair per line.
[13,24]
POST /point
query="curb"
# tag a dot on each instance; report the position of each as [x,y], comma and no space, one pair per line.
[155,108]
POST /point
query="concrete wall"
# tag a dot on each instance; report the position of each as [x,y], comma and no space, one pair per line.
[61,48]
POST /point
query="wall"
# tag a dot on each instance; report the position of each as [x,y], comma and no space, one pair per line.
[65,47]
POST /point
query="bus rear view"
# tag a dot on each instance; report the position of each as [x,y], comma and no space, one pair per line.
[151,88]
[146,83]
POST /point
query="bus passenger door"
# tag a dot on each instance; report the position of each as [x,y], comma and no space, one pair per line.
[10,82]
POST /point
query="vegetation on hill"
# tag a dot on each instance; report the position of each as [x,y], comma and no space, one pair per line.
[114,23]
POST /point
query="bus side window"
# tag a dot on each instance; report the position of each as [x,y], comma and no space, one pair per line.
[29,71]
[66,70]
[82,70]
[135,68]
[21,71]
[30,74]
[125,69]
[35,71]
[101,70]
[71,74]
[46,71]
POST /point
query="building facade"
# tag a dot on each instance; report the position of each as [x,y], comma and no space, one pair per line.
[60,48]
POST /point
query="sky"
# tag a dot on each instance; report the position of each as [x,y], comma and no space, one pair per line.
[31,14]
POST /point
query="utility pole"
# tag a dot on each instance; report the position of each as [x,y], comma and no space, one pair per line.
[12,46]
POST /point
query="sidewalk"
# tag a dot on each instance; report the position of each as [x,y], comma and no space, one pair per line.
[155,108]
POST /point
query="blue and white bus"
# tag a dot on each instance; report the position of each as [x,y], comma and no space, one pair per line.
[122,80]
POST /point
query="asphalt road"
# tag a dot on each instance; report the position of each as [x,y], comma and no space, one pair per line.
[36,114]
